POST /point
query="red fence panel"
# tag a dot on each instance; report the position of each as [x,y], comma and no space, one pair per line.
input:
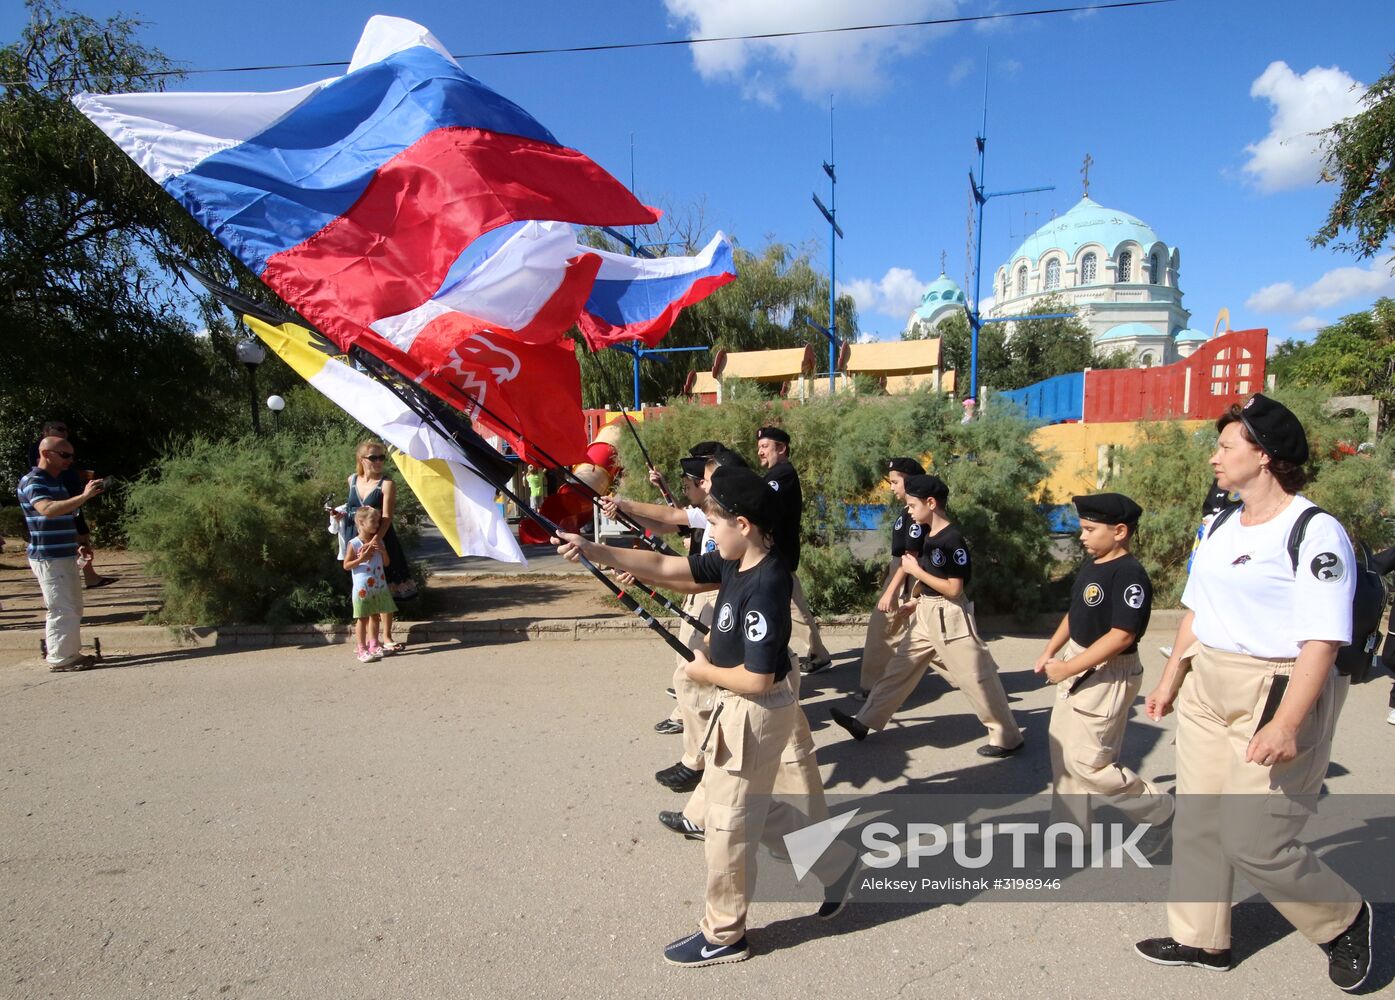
[1223,371]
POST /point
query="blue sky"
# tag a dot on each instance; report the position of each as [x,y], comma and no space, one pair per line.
[1195,113]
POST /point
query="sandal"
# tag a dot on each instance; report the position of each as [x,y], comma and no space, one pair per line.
[102,582]
[394,647]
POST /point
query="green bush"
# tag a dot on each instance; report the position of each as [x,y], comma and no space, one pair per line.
[11,522]
[1168,474]
[991,466]
[235,529]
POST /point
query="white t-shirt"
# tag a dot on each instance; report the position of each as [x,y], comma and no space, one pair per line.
[696,518]
[1247,597]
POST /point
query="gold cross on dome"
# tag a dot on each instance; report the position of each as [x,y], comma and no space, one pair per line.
[1085,172]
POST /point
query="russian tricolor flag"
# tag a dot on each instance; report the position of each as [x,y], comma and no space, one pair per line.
[402,194]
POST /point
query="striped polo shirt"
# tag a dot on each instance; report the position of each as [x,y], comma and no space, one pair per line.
[49,537]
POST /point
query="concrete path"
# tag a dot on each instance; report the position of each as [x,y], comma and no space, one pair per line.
[479,821]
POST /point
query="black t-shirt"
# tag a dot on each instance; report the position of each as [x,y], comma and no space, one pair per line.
[1115,594]
[785,482]
[699,544]
[751,618]
[944,554]
[906,535]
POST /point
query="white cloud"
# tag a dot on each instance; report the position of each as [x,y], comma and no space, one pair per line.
[1334,287]
[895,294]
[960,72]
[850,63]
[1310,324]
[1288,156]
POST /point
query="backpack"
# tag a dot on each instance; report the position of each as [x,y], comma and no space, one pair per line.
[1367,601]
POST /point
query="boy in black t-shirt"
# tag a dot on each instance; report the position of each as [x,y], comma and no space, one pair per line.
[1093,660]
[757,713]
[942,634]
[886,626]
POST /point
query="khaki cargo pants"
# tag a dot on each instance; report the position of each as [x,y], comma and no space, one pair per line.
[943,636]
[748,740]
[884,635]
[1234,816]
[1086,736]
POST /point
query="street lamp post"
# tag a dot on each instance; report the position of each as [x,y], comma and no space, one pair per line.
[275,404]
[251,354]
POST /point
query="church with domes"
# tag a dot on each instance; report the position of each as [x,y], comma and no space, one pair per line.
[1112,269]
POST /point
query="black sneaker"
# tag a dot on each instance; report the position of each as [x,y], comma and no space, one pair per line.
[835,896]
[694,951]
[1156,839]
[1349,953]
[680,777]
[997,752]
[670,692]
[668,727]
[808,665]
[679,823]
[858,730]
[1166,951]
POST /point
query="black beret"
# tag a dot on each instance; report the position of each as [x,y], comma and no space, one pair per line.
[774,434]
[727,457]
[905,466]
[743,493]
[693,467]
[925,487]
[705,449]
[1107,508]
[1275,429]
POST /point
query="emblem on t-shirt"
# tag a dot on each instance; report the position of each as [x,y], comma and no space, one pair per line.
[1133,595]
[708,545]
[775,486]
[917,530]
[1094,593]
[937,557]
[1327,567]
[961,557]
[755,626]
[724,619]
[899,521]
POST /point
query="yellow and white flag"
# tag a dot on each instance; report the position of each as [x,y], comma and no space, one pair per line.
[457,498]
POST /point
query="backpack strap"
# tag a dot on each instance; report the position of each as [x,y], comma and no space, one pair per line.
[1220,519]
[1295,537]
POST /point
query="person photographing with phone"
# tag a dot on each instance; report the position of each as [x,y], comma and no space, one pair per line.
[50,516]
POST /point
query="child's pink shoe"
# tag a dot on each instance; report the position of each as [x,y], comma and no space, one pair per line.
[365,656]
[375,652]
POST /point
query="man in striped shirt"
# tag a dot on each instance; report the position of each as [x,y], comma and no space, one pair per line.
[53,549]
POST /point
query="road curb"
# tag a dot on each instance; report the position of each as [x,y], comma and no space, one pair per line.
[154,637]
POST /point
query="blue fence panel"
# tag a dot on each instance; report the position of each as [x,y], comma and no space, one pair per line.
[865,516]
[1054,400]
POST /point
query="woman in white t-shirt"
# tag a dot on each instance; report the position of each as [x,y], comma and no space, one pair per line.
[1257,698]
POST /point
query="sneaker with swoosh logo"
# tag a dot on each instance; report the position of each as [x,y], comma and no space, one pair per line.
[695,951]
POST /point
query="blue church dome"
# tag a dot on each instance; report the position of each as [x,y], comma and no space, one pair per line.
[1088,222]
[1130,330]
[1190,337]
[942,291]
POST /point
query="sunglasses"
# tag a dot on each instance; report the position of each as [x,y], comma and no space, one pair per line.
[376,458]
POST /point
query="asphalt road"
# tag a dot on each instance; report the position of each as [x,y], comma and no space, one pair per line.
[480,822]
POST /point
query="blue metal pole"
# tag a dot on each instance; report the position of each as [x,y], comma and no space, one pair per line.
[974,323]
[833,259]
[636,402]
